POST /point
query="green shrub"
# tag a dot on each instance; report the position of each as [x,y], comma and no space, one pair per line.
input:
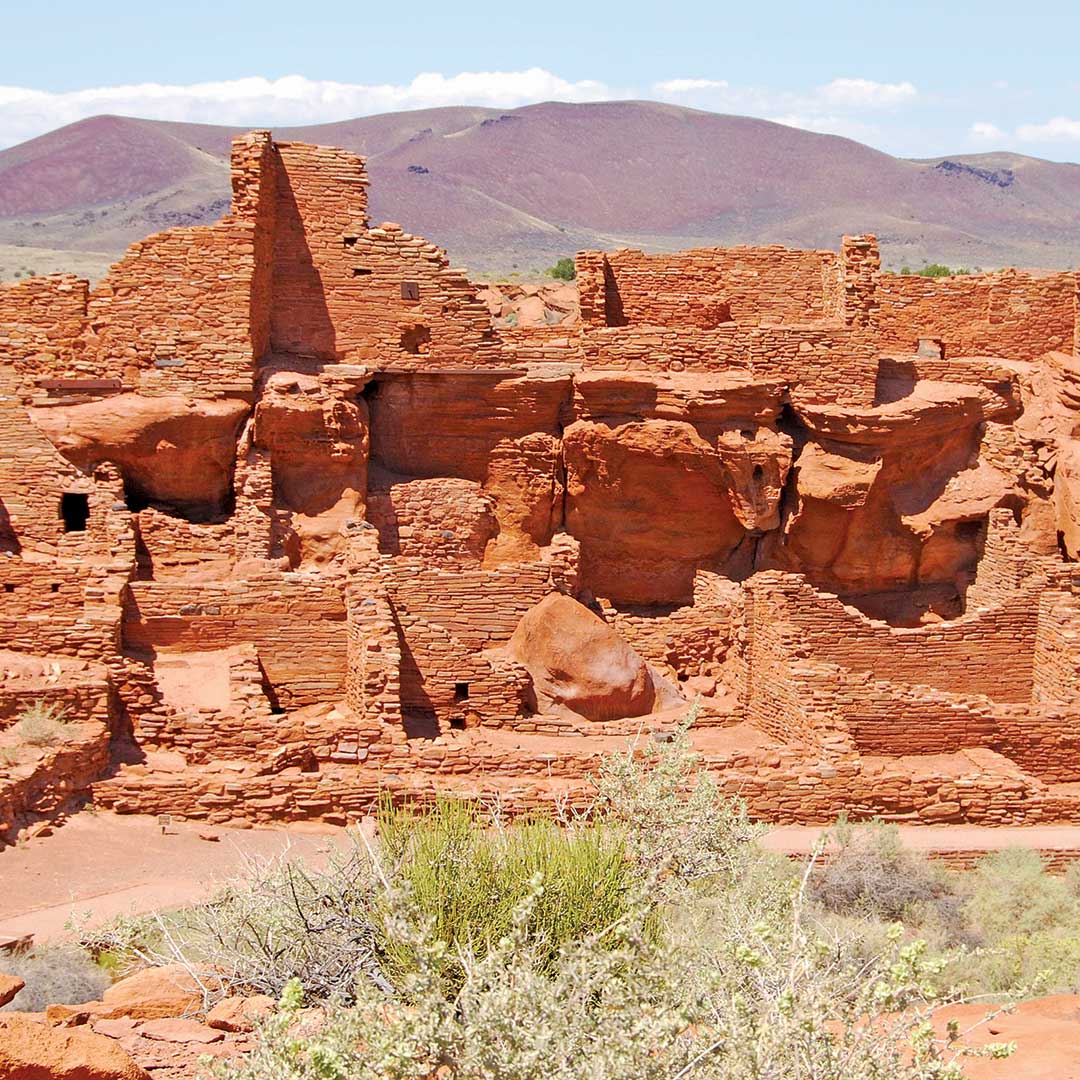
[563,270]
[467,876]
[54,975]
[1012,893]
[41,725]
[678,827]
[936,270]
[658,943]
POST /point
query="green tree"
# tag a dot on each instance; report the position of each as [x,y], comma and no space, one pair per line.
[563,270]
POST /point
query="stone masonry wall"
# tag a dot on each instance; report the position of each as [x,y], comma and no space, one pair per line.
[708,286]
[296,623]
[1011,314]
[988,651]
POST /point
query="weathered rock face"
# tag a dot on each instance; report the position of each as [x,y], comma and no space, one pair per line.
[31,1051]
[650,504]
[890,499]
[172,451]
[579,664]
[317,441]
[757,461]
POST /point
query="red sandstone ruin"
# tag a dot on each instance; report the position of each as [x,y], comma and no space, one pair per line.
[279,503]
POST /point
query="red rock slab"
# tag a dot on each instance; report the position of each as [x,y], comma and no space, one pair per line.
[31,1051]
[1046,1032]
[154,993]
[10,985]
[179,1030]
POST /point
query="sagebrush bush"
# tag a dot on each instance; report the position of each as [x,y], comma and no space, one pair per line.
[464,878]
[872,873]
[41,725]
[54,975]
[679,829]
[658,942]
[1012,893]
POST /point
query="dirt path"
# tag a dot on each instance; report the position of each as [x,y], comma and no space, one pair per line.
[100,865]
[800,839]
[103,865]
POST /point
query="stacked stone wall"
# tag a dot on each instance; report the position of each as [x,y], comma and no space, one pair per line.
[1011,314]
[294,621]
[988,651]
[708,286]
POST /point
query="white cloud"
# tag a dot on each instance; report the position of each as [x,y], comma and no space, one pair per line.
[688,86]
[842,106]
[984,131]
[293,99]
[866,94]
[1059,129]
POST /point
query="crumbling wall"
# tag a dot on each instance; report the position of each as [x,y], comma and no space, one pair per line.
[1012,314]
[294,621]
[989,651]
[184,312]
[706,287]
[41,321]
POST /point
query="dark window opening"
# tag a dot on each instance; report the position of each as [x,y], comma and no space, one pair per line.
[8,587]
[75,511]
[360,271]
[461,691]
[54,587]
[969,530]
[350,241]
[415,339]
[457,723]
[420,723]
[759,473]
[410,290]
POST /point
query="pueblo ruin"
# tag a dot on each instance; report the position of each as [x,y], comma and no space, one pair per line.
[288,519]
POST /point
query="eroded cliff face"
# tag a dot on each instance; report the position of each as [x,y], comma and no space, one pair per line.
[171,451]
[657,477]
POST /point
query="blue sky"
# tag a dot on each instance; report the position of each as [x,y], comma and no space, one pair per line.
[914,78]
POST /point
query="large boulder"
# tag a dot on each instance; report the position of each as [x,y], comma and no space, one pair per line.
[580,665]
[33,1051]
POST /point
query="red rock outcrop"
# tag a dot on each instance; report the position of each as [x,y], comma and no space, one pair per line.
[171,450]
[32,1051]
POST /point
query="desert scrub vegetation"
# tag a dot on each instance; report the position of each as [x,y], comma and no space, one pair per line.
[54,974]
[653,940]
[40,724]
[936,270]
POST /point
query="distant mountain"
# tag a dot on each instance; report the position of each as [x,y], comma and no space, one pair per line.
[517,189]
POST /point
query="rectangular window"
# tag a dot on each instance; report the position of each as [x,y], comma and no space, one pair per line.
[410,290]
[74,511]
